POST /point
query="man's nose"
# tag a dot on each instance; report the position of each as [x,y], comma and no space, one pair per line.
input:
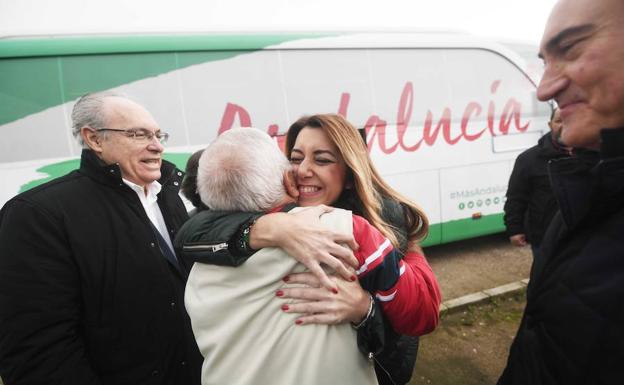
[155,145]
[552,83]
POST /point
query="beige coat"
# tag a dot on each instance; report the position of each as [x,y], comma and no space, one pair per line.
[247,340]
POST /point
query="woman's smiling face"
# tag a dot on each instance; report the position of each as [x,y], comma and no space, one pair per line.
[319,168]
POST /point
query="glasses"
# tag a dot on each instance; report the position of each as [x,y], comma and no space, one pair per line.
[140,134]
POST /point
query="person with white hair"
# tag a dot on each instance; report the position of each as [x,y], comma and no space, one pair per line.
[233,310]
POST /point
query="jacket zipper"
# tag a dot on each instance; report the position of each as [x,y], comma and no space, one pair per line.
[371,358]
[213,248]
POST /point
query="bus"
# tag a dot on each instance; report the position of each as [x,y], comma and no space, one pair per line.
[444,114]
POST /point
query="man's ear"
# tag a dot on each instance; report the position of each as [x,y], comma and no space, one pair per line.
[290,185]
[91,139]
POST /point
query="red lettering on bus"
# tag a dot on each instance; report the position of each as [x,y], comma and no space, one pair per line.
[490,117]
[470,108]
[229,115]
[404,115]
[444,123]
[344,104]
[376,127]
[273,130]
[511,111]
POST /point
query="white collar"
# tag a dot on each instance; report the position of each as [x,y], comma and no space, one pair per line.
[152,189]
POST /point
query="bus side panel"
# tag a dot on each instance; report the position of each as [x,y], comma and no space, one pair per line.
[246,90]
[453,107]
[27,84]
[432,116]
[422,187]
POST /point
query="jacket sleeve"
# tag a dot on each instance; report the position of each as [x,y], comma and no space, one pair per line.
[40,301]
[212,237]
[518,193]
[406,289]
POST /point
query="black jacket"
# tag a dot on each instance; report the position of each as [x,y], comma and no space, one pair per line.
[211,237]
[86,297]
[531,204]
[572,331]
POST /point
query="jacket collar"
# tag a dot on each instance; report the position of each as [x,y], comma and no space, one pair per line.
[590,185]
[94,168]
[549,149]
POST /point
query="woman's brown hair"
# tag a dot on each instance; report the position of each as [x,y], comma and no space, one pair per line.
[370,188]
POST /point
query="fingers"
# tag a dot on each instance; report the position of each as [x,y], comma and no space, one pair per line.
[318,271]
[340,269]
[345,255]
[345,239]
[325,209]
[307,279]
[323,318]
[318,305]
[307,295]
[290,184]
[314,312]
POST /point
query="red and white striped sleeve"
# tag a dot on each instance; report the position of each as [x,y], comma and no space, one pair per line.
[406,288]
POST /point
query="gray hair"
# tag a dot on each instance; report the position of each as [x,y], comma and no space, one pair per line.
[88,112]
[242,170]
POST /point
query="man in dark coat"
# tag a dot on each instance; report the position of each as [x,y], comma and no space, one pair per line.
[90,289]
[531,204]
[572,331]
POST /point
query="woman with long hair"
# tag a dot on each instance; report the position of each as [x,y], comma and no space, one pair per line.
[331,166]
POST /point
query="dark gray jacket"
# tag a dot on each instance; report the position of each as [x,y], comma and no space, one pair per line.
[572,331]
[531,204]
[86,296]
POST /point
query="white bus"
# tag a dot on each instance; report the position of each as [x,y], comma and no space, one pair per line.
[445,115]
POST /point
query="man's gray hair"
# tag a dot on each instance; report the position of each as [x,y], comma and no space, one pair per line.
[243,170]
[88,111]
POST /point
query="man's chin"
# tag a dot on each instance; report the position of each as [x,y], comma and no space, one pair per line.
[580,139]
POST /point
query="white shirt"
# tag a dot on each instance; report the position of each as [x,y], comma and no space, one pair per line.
[150,204]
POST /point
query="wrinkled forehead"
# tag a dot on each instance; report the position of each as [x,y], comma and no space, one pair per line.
[124,112]
[570,14]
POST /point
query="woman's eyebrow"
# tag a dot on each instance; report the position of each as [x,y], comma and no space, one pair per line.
[324,152]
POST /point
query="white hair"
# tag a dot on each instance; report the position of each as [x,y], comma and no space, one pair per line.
[89,112]
[242,170]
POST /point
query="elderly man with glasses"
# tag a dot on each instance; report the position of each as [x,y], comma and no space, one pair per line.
[91,291]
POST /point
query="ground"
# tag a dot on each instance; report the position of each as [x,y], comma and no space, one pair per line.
[477,264]
[469,347]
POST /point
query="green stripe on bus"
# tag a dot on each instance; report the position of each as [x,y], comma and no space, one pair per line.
[56,170]
[464,229]
[438,232]
[88,45]
[470,228]
[36,74]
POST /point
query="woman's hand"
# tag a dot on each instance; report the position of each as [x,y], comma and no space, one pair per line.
[349,303]
[302,236]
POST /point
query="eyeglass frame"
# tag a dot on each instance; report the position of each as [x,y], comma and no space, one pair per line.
[162,137]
